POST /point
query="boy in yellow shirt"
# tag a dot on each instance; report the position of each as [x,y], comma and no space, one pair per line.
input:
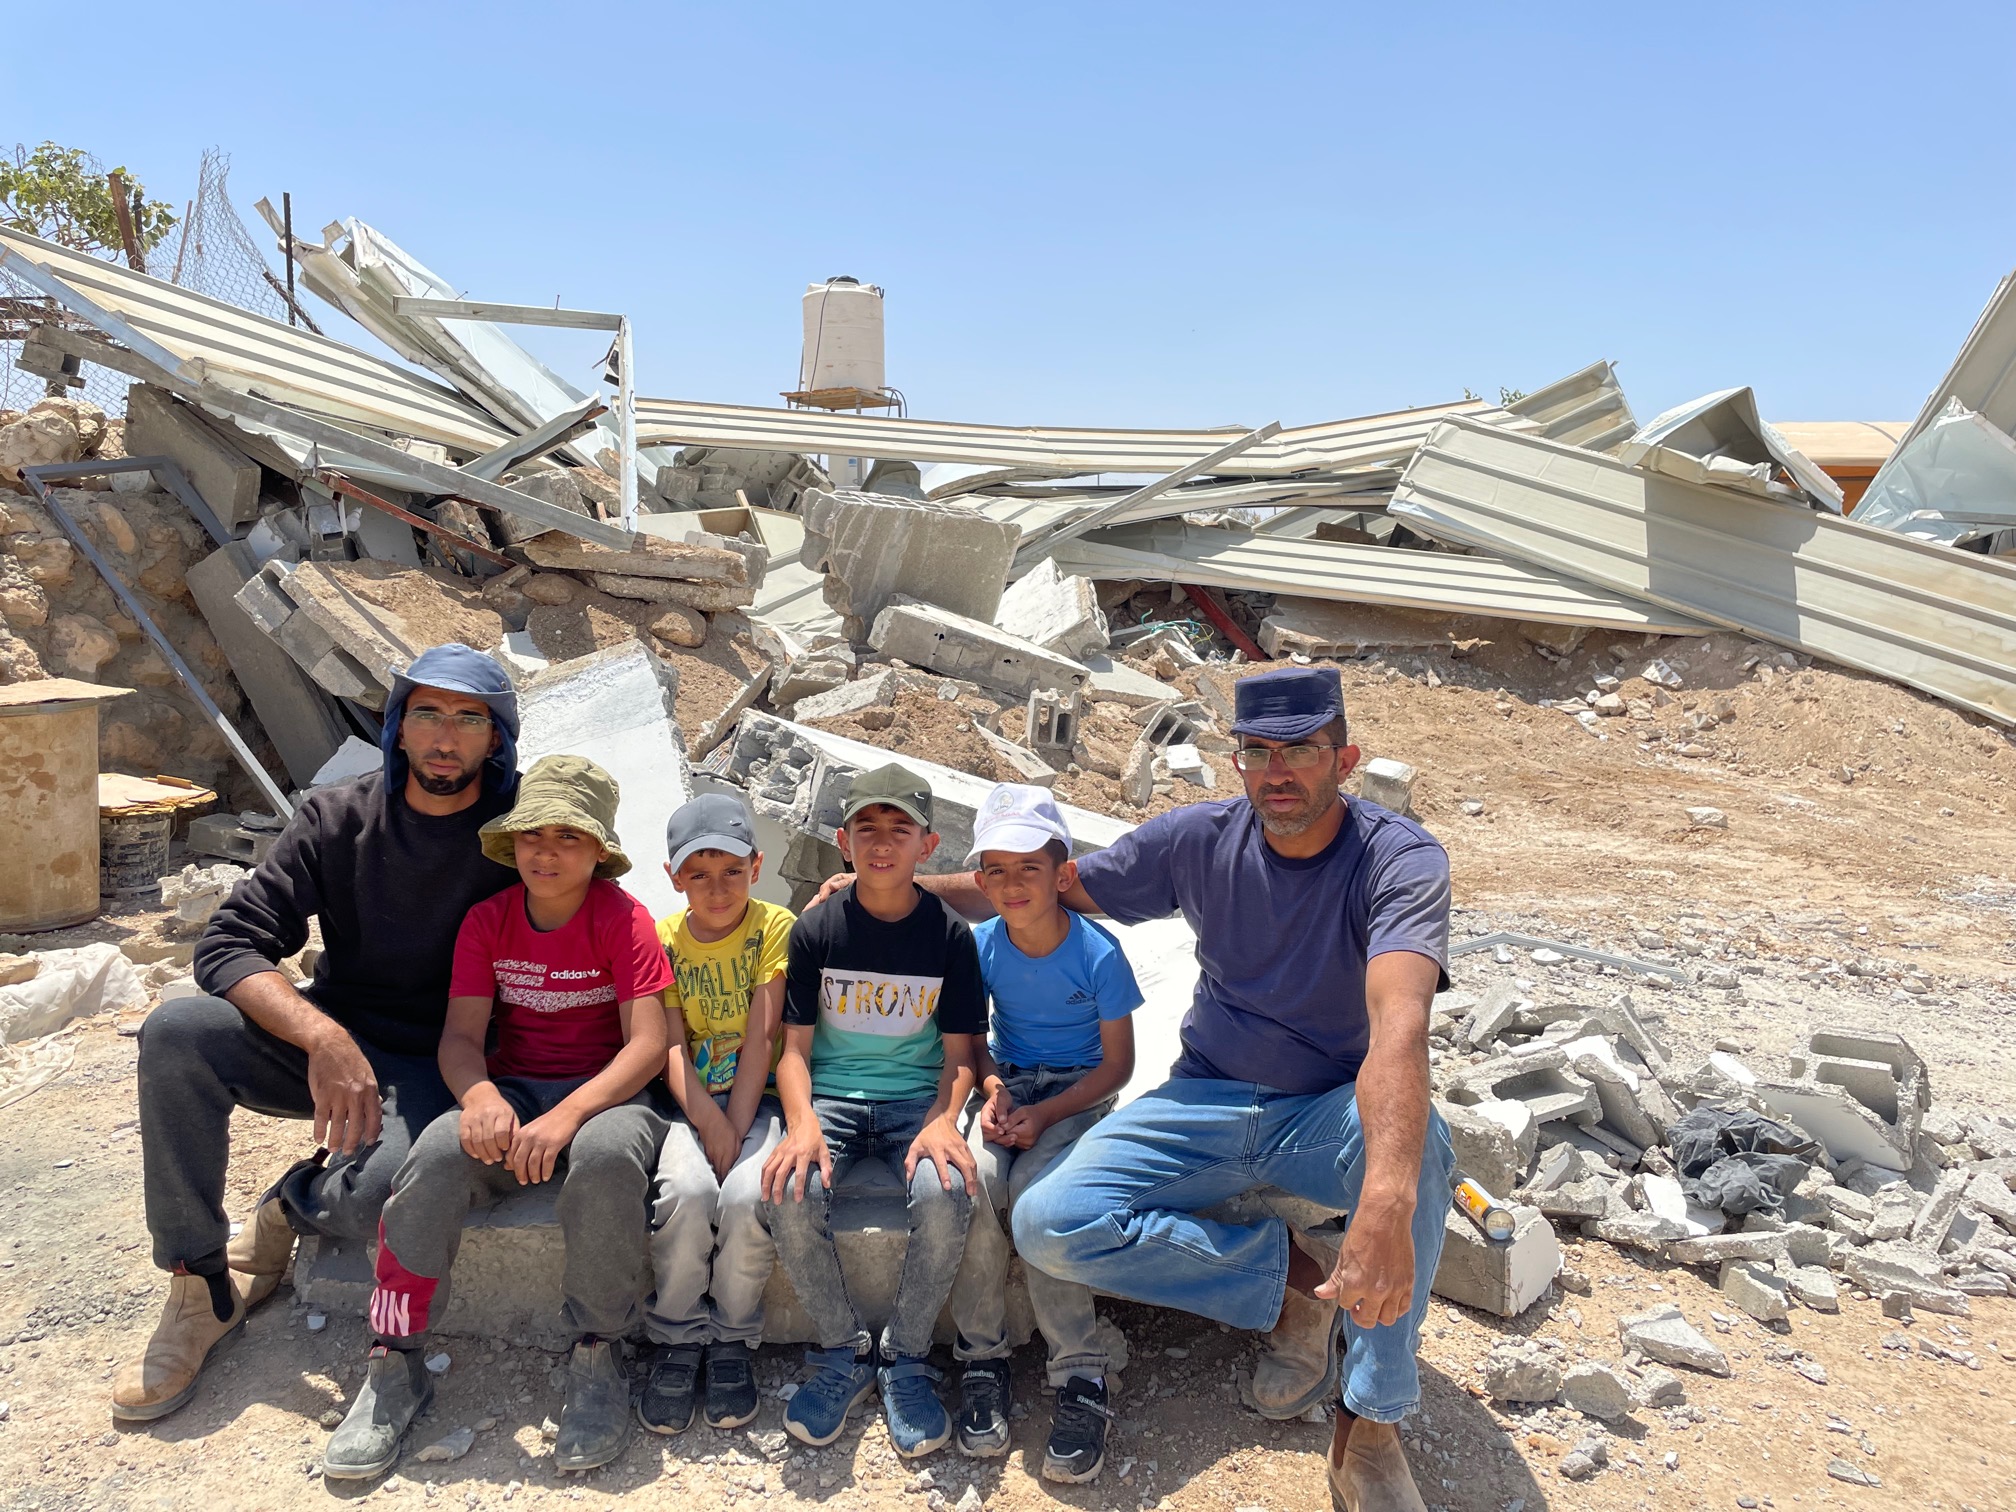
[710,1254]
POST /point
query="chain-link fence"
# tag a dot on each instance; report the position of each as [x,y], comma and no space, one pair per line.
[209,250]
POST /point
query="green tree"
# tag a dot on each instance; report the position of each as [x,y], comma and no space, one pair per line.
[61,194]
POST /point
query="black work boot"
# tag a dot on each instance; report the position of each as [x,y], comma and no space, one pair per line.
[1077,1446]
[731,1385]
[396,1390]
[595,1418]
[984,1391]
[671,1387]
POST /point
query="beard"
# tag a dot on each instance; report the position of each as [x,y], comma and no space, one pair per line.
[1297,820]
[446,787]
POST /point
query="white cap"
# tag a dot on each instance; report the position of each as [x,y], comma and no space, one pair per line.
[1016,817]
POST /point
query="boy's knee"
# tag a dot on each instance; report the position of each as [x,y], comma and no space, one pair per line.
[791,1209]
[678,1192]
[933,1202]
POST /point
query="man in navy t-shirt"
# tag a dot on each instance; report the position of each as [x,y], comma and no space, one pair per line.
[1322,935]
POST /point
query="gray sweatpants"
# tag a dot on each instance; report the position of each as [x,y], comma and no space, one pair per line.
[1064,1309]
[604,1178]
[710,1254]
[200,1058]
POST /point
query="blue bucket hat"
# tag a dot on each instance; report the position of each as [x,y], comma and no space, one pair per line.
[456,668]
[1288,703]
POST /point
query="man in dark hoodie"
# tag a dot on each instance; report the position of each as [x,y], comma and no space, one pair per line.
[388,864]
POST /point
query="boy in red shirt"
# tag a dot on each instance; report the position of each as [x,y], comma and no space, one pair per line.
[566,969]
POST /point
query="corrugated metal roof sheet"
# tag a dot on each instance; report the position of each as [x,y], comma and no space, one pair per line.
[207,338]
[1584,409]
[1452,584]
[1837,445]
[1938,619]
[1372,441]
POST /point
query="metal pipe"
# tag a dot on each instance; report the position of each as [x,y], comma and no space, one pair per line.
[626,422]
[287,234]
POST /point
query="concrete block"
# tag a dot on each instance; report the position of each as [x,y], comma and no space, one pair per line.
[1024,763]
[808,676]
[1054,610]
[927,636]
[1844,1126]
[1540,1079]
[1388,783]
[158,424]
[1485,1149]
[226,836]
[618,706]
[1617,1087]
[1499,1278]
[1500,1004]
[874,546]
[1759,1292]
[647,557]
[845,698]
[1663,1334]
[1647,1231]
[506,1281]
[1586,1197]
[1165,724]
[1116,682]
[1813,1286]
[1050,724]
[298,717]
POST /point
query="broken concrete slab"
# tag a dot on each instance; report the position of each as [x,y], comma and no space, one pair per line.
[842,698]
[1619,1089]
[704,597]
[1540,1079]
[1485,1149]
[1499,1277]
[1663,1333]
[160,425]
[1114,681]
[927,636]
[1321,628]
[1846,1128]
[1025,763]
[1522,1370]
[874,546]
[1595,1390]
[383,616]
[1759,1292]
[620,705]
[1895,1270]
[1721,1249]
[1500,1003]
[1813,1286]
[1057,612]
[648,557]
[297,715]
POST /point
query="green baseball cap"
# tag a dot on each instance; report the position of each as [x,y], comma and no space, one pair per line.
[567,790]
[895,785]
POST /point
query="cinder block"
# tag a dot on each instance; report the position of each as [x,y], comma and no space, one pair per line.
[1058,612]
[927,636]
[1499,1278]
[1050,725]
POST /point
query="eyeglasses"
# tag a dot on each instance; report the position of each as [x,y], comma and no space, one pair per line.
[1297,758]
[468,723]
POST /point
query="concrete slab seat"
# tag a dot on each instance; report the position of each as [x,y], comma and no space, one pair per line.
[507,1276]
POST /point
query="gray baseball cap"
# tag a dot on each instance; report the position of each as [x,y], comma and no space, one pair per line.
[713,821]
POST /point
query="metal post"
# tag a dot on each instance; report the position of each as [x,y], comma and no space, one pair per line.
[122,211]
[287,233]
[626,422]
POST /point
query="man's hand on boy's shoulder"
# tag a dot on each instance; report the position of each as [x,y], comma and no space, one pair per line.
[940,1142]
[838,882]
[784,1173]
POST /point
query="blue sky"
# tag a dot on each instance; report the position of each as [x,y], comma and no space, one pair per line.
[1135,214]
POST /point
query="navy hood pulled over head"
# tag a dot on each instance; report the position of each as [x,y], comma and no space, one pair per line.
[455,668]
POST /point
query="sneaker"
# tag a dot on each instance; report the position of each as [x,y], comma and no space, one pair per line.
[917,1420]
[396,1390]
[818,1410]
[731,1385]
[595,1418]
[671,1387]
[1077,1446]
[984,1391]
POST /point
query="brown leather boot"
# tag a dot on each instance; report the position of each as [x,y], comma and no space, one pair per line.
[1297,1367]
[164,1376]
[1368,1468]
[261,1251]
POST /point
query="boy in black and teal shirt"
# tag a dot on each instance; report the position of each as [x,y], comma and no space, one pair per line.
[884,1012]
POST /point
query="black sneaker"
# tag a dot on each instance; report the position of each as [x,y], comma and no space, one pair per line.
[1077,1446]
[731,1385]
[984,1391]
[670,1389]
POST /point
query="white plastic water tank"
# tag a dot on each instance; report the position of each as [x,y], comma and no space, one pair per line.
[843,336]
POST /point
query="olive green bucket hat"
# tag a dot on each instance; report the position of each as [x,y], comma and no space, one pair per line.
[569,790]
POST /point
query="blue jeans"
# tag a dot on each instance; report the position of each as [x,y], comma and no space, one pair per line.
[857,1129]
[1119,1214]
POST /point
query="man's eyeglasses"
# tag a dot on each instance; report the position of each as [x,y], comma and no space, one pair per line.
[468,723]
[1297,758]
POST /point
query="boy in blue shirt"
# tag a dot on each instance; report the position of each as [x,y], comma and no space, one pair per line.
[1062,1046]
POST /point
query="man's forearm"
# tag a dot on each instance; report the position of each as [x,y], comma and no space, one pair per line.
[1393,1120]
[270,1001]
[958,893]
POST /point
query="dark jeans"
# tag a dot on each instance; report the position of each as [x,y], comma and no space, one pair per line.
[855,1130]
[199,1059]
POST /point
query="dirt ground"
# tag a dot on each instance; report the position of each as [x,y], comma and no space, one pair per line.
[1862,878]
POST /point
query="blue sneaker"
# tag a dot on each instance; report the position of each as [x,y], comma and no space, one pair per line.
[917,1419]
[818,1410]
